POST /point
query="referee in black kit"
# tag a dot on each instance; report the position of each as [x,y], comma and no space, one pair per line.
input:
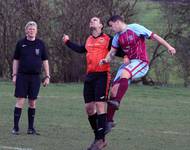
[29,57]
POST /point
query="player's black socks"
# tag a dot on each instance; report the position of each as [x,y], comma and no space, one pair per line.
[93,122]
[31,115]
[17,114]
[101,124]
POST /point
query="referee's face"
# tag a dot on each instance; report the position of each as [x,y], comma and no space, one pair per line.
[31,31]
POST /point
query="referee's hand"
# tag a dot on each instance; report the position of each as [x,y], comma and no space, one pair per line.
[14,80]
[46,82]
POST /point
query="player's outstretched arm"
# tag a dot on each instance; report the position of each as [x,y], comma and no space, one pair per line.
[109,56]
[171,49]
[73,46]
[65,38]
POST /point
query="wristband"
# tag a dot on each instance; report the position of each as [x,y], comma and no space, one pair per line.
[13,75]
[47,77]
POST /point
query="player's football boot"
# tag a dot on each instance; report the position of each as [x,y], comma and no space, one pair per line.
[109,126]
[99,145]
[92,144]
[114,103]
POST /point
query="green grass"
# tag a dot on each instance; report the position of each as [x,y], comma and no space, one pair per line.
[150,118]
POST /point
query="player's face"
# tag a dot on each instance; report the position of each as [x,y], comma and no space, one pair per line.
[31,31]
[95,23]
[115,26]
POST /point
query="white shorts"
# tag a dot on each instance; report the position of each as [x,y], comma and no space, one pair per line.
[136,68]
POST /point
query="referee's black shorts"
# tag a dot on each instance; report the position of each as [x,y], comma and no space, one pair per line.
[27,86]
[96,86]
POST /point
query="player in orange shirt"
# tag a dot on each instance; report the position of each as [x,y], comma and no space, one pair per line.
[97,79]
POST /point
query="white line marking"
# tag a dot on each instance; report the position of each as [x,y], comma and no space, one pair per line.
[170,132]
[184,102]
[14,148]
[48,96]
[158,131]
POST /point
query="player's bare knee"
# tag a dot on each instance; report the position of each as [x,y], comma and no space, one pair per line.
[125,74]
[114,90]
[90,108]
[90,111]
[101,107]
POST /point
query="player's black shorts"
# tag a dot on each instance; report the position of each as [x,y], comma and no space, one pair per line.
[27,86]
[96,86]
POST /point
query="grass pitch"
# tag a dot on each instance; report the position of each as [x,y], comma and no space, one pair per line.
[150,118]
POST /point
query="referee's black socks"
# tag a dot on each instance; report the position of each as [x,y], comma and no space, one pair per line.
[31,115]
[17,114]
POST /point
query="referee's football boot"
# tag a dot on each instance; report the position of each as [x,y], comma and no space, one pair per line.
[32,132]
[15,131]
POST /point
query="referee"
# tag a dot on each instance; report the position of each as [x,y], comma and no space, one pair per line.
[29,57]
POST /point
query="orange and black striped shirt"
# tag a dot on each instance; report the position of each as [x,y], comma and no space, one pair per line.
[96,48]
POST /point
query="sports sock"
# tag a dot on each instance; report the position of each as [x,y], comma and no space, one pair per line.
[93,122]
[101,124]
[31,115]
[110,113]
[17,114]
[123,86]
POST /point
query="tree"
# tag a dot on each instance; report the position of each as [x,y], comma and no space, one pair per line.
[9,31]
[178,14]
[72,18]
[54,18]
[178,20]
[13,17]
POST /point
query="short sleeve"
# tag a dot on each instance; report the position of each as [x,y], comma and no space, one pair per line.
[44,55]
[140,30]
[115,42]
[17,52]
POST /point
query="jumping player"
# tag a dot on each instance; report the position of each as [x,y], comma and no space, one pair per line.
[131,38]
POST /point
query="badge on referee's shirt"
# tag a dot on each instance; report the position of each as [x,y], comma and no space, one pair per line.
[37,51]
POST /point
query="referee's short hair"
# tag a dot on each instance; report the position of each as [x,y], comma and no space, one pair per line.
[114,19]
[31,23]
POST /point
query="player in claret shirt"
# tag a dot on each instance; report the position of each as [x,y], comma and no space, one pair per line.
[131,38]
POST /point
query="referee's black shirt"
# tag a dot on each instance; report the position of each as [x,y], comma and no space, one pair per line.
[30,55]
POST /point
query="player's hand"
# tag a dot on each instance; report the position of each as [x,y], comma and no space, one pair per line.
[171,50]
[126,60]
[65,38]
[103,61]
[14,80]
